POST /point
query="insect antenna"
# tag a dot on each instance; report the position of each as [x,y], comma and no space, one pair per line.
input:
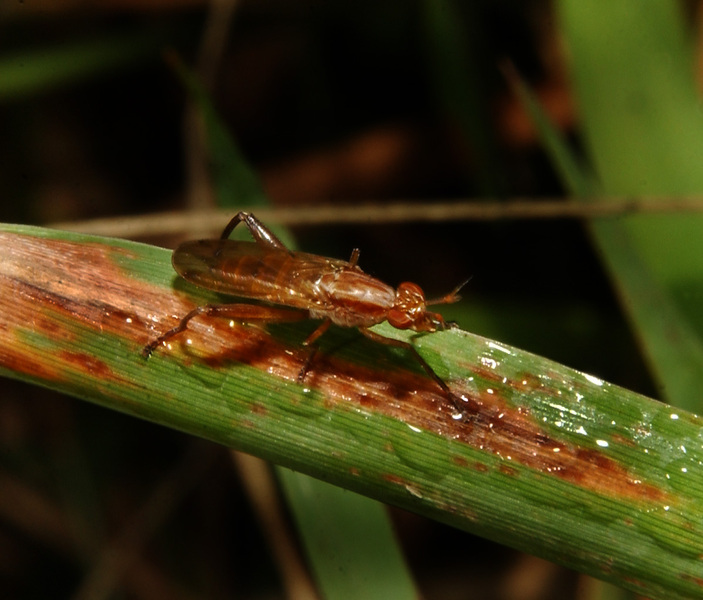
[452,296]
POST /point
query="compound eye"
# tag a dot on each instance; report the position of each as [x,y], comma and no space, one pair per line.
[410,294]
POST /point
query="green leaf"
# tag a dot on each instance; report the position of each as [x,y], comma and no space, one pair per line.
[633,74]
[547,460]
[352,549]
[671,346]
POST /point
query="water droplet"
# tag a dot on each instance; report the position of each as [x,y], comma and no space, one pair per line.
[413,490]
[494,346]
[593,380]
[491,363]
[457,416]
[683,475]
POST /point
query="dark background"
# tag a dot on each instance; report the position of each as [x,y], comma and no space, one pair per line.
[332,104]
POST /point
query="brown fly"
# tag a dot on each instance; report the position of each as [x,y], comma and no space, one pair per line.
[310,286]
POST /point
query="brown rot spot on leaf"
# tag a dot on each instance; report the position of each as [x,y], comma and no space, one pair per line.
[88,364]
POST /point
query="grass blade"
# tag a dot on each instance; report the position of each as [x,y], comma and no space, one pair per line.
[548,460]
[352,548]
[671,346]
[633,74]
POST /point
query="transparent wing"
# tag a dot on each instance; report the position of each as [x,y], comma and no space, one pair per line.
[249,270]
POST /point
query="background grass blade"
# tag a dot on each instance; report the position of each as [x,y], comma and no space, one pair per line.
[671,346]
[632,69]
[349,539]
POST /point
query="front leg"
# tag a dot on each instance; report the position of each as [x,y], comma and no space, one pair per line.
[457,402]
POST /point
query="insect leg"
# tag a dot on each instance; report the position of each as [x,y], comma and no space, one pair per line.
[423,363]
[311,339]
[324,326]
[258,230]
[244,313]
